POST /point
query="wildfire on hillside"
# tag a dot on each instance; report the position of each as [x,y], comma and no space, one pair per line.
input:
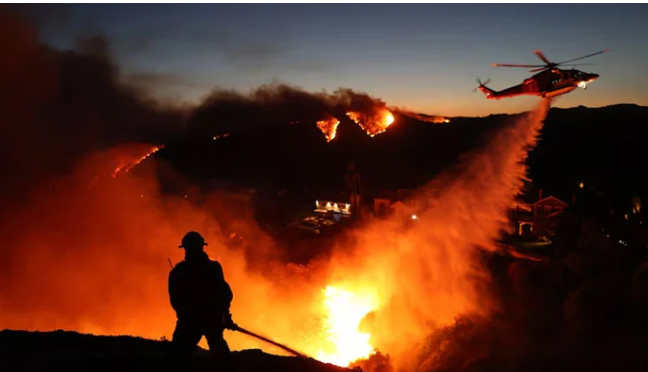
[373,122]
[383,291]
[328,126]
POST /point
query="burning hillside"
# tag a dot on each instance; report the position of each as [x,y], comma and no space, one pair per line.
[328,127]
[95,259]
[274,105]
[374,122]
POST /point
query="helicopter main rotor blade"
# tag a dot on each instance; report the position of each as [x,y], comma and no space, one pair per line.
[587,56]
[541,56]
[570,65]
[580,64]
[513,65]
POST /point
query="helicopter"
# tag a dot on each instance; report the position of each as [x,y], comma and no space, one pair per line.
[550,81]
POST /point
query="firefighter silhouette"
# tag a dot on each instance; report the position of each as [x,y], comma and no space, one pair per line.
[201,299]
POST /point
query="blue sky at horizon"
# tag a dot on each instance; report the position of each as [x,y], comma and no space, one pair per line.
[423,57]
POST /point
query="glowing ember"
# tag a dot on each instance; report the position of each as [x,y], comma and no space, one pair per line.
[130,165]
[344,312]
[328,127]
[374,122]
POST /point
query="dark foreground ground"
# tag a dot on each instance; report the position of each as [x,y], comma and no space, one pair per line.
[71,351]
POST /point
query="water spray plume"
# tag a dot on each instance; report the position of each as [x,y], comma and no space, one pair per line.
[428,273]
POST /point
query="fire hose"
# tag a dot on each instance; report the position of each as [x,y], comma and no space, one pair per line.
[283,347]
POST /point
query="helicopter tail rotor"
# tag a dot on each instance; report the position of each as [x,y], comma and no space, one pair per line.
[481,85]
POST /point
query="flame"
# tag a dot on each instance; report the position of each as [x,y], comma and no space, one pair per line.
[328,126]
[374,122]
[343,313]
[132,164]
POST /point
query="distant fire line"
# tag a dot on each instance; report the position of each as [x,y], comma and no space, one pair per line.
[128,166]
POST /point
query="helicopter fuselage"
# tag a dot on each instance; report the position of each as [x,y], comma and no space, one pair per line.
[550,80]
[548,83]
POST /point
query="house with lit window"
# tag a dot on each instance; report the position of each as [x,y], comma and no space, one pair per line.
[538,218]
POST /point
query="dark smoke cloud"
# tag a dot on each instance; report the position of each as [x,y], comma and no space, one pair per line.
[230,111]
[56,107]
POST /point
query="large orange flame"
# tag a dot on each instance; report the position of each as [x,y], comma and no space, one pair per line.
[343,313]
[373,122]
[328,126]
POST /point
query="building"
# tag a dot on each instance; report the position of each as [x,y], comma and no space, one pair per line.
[539,218]
[333,210]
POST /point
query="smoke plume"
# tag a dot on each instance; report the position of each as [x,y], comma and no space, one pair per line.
[57,107]
[233,112]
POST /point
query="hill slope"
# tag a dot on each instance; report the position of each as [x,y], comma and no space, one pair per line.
[599,146]
[72,351]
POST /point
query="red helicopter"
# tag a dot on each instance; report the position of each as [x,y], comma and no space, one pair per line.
[550,81]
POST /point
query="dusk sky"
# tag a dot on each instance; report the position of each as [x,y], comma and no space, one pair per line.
[423,57]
